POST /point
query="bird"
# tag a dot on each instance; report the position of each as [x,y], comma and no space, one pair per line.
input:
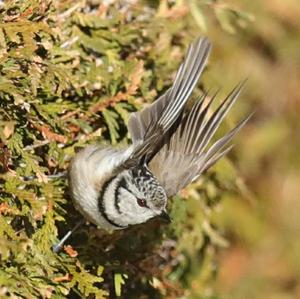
[116,188]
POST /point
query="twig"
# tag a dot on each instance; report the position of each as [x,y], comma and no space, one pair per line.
[69,11]
[33,146]
[135,80]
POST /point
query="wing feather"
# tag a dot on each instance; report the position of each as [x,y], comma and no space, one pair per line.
[149,126]
[186,156]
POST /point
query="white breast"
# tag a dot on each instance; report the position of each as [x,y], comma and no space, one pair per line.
[88,171]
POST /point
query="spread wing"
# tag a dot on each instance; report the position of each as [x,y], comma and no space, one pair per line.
[185,156]
[149,126]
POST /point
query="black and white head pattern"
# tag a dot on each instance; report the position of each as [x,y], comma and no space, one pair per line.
[147,184]
[132,197]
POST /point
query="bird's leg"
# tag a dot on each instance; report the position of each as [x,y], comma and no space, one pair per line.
[57,247]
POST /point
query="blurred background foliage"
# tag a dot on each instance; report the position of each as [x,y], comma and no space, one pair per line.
[263,260]
[71,72]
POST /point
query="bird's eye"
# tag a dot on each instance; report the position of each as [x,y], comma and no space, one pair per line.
[141,202]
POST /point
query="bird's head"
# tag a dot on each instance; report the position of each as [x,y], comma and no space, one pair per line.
[134,196]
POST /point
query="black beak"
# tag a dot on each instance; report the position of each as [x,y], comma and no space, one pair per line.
[165,217]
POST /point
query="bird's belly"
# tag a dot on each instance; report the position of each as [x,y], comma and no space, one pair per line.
[88,171]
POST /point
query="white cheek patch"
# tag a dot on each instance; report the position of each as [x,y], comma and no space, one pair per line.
[126,200]
[130,210]
[128,205]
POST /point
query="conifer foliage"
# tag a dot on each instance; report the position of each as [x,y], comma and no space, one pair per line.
[70,74]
